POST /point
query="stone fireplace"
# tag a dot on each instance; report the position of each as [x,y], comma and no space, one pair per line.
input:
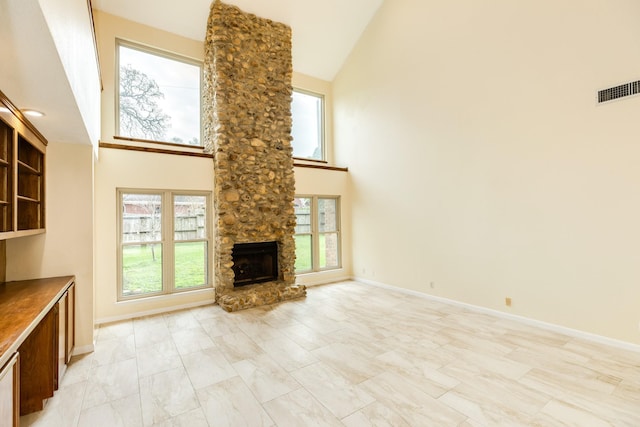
[254,263]
[247,110]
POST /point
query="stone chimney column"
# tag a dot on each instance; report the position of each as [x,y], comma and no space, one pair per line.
[247,108]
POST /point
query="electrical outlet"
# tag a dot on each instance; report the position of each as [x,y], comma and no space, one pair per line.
[507,301]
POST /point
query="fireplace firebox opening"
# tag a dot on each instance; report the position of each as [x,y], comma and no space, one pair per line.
[254,263]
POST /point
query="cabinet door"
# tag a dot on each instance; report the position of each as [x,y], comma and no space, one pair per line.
[62,339]
[38,360]
[71,322]
[9,393]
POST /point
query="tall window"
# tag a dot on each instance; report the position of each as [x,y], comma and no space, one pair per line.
[317,233]
[158,96]
[163,242]
[307,113]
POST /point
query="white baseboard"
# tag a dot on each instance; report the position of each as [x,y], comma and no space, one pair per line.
[77,351]
[522,319]
[322,277]
[135,315]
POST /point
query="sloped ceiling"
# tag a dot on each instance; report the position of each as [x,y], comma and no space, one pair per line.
[32,74]
[323,32]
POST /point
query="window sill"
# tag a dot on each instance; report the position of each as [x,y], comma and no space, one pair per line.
[184,150]
[324,167]
[155,298]
[154,142]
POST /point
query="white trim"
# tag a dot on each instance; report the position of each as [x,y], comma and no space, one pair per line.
[322,277]
[77,351]
[322,114]
[167,241]
[135,315]
[575,333]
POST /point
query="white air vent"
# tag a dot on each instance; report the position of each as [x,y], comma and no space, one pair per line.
[621,91]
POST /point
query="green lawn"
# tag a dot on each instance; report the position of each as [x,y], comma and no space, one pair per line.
[190,265]
[303,252]
[142,267]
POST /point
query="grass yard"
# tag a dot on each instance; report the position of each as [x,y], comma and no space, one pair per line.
[191,264]
[142,267]
[304,252]
[142,264]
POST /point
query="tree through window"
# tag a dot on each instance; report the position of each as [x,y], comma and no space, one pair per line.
[158,96]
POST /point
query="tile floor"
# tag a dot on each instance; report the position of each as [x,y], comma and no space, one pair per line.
[347,355]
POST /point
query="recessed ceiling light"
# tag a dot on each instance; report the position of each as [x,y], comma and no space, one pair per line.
[33,113]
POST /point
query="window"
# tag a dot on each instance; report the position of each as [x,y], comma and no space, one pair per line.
[317,233]
[163,242]
[307,113]
[158,96]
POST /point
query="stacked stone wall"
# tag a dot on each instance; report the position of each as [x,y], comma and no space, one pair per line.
[247,110]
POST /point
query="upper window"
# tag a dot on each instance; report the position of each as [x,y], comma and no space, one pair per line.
[307,113]
[158,96]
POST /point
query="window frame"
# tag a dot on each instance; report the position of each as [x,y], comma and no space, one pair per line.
[315,233]
[166,55]
[323,125]
[167,241]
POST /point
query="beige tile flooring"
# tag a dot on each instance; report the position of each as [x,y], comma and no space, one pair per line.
[348,355]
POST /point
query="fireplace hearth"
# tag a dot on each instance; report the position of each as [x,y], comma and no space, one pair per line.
[254,263]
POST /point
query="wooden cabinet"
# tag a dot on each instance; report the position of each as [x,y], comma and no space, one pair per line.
[66,332]
[70,324]
[30,211]
[22,174]
[39,364]
[6,177]
[10,393]
[46,353]
[36,322]
[61,336]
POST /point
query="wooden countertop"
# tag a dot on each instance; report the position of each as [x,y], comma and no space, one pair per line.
[23,304]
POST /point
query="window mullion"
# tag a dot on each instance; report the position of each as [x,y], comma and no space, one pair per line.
[167,238]
[315,239]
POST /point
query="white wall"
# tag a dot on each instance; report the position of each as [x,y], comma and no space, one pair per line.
[136,170]
[70,25]
[481,164]
[328,183]
[67,246]
[325,183]
[127,169]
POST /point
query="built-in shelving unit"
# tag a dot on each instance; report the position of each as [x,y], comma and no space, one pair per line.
[22,174]
[6,175]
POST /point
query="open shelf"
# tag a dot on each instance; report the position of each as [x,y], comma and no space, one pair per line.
[25,168]
[6,177]
[22,174]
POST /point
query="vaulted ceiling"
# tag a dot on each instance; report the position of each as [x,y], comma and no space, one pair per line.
[33,76]
[323,32]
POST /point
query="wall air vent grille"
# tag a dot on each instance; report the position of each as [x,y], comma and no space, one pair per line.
[620,91]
